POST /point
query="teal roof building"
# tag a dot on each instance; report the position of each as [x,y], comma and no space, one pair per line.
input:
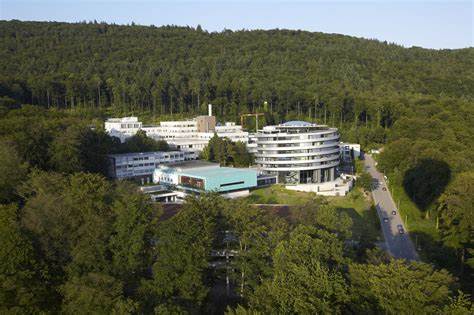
[196,177]
[218,179]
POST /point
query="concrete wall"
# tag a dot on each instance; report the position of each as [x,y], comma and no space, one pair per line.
[205,123]
[337,187]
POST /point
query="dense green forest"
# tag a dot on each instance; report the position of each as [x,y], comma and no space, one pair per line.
[177,69]
[82,245]
[74,242]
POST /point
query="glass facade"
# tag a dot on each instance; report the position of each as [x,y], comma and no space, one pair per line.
[298,152]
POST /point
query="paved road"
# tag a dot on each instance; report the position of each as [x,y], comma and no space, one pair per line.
[398,245]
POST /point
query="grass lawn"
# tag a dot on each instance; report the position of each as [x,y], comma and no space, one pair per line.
[365,221]
[277,194]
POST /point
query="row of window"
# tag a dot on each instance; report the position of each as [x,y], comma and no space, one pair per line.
[296,165]
[299,158]
[301,144]
[231,184]
[171,156]
[136,165]
[263,152]
[292,138]
[125,126]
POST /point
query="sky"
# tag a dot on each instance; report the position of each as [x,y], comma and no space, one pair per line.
[437,24]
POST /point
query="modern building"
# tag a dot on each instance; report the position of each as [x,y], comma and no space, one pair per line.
[122,128]
[252,144]
[140,165]
[349,151]
[298,152]
[232,131]
[197,177]
[189,135]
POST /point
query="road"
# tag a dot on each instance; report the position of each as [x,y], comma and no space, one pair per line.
[398,245]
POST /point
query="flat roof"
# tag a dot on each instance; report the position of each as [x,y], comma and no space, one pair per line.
[123,119]
[217,171]
[143,153]
[186,140]
[192,164]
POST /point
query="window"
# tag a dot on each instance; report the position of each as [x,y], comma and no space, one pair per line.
[231,184]
[191,182]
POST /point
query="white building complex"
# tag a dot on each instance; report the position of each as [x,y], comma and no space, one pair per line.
[141,165]
[188,135]
[122,128]
[298,152]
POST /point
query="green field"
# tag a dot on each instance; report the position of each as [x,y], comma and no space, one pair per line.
[365,221]
[277,194]
[366,224]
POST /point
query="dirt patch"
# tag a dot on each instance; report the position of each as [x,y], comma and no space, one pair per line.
[282,211]
[170,210]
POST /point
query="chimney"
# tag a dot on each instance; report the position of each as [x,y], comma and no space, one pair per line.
[210,109]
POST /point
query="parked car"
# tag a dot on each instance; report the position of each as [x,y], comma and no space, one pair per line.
[394,212]
[385,220]
[384,188]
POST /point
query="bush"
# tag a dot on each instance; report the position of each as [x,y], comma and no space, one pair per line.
[365,181]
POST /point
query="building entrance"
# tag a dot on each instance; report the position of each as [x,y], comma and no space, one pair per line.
[306,177]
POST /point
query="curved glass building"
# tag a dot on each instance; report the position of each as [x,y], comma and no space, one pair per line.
[298,152]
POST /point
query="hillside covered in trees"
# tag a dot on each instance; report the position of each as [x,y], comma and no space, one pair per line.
[177,69]
[58,79]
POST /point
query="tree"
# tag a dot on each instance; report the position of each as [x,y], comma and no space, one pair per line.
[226,152]
[69,218]
[319,214]
[399,288]
[459,305]
[12,172]
[140,142]
[65,151]
[95,293]
[239,155]
[365,181]
[95,145]
[456,215]
[305,280]
[134,232]
[258,234]
[182,252]
[88,196]
[21,290]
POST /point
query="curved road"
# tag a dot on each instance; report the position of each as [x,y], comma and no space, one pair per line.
[397,244]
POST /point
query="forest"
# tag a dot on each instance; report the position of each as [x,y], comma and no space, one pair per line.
[338,79]
[75,242]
